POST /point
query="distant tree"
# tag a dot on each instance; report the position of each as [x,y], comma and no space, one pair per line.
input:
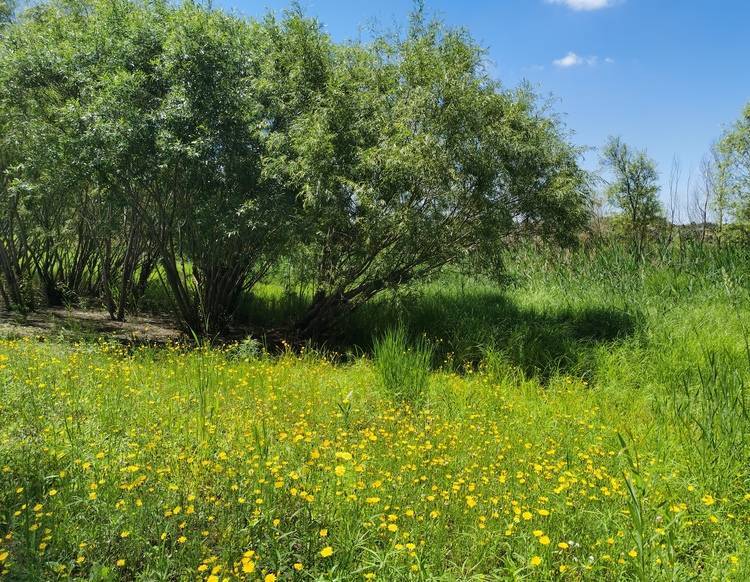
[7,10]
[633,188]
[704,195]
[733,154]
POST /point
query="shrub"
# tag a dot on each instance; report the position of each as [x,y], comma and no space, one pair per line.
[246,350]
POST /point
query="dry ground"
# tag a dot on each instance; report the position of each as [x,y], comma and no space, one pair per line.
[72,323]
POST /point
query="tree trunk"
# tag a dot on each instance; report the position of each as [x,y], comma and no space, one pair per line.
[322,316]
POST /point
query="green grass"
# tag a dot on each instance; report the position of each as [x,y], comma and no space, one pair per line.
[588,421]
[403,366]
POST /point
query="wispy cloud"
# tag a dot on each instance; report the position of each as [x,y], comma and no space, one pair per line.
[584,4]
[574,60]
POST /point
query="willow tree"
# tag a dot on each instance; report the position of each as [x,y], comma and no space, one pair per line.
[733,162]
[633,188]
[59,208]
[7,10]
[16,264]
[165,111]
[414,158]
[15,261]
[199,118]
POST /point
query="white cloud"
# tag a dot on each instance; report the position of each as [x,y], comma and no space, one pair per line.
[569,60]
[574,60]
[584,4]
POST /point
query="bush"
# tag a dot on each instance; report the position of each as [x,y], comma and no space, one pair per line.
[404,369]
[246,350]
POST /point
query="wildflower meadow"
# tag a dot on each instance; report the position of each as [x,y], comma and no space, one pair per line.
[215,463]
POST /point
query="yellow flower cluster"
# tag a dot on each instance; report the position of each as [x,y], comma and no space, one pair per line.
[254,470]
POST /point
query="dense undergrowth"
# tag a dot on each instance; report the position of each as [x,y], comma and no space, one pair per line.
[589,421]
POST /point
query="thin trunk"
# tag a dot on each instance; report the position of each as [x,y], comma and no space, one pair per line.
[106,277]
[128,270]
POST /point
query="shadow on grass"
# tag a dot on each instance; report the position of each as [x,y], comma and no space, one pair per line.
[463,325]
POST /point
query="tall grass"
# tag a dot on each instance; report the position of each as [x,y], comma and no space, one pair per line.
[711,412]
[403,367]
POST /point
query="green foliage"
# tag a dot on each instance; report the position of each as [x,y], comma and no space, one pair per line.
[7,10]
[711,405]
[403,366]
[633,189]
[734,165]
[164,126]
[60,220]
[413,159]
[186,143]
[246,350]
[205,148]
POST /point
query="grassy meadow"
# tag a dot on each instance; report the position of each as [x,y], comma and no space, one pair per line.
[586,420]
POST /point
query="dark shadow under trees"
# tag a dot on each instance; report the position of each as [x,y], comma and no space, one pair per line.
[463,326]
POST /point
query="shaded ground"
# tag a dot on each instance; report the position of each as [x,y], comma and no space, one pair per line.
[463,327]
[79,323]
[553,334]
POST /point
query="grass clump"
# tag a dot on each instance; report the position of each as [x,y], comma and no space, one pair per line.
[403,367]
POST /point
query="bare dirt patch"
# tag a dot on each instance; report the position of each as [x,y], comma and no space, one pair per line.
[72,323]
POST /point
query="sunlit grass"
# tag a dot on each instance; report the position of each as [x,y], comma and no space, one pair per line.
[598,463]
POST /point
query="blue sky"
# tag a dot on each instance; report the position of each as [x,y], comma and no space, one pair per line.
[666,75]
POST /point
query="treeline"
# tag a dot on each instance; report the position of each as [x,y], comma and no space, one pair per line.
[167,141]
[717,200]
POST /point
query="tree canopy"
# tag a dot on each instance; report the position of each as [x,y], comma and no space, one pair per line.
[153,139]
[414,157]
[634,187]
[734,164]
